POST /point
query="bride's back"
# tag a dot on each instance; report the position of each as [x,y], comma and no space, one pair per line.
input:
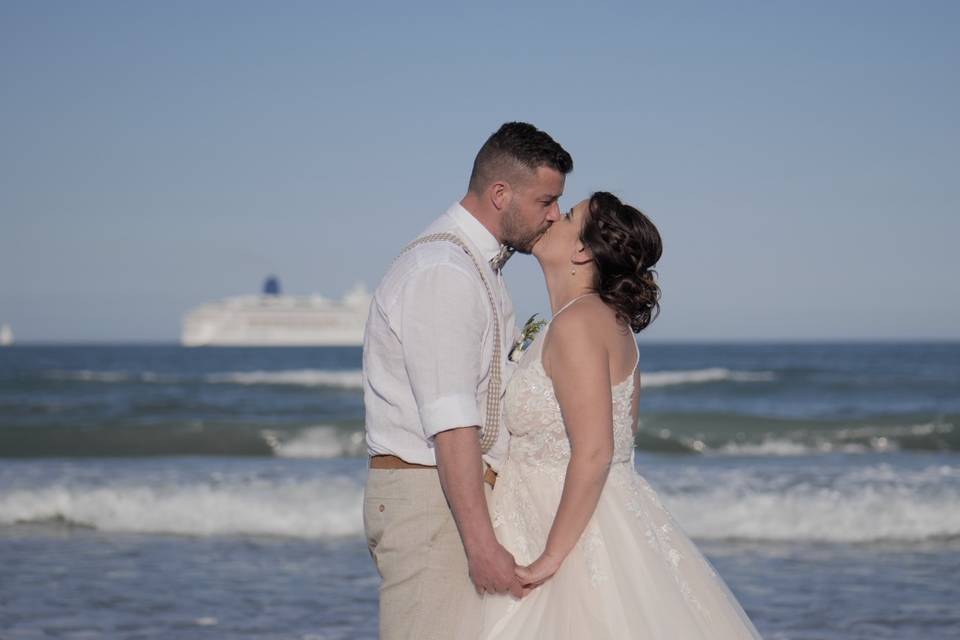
[605,332]
[595,324]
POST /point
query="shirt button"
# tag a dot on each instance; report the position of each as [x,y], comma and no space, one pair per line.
[381,508]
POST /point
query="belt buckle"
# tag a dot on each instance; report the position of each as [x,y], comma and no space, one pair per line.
[489,475]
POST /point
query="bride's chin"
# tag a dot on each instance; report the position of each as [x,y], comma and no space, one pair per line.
[542,260]
[535,250]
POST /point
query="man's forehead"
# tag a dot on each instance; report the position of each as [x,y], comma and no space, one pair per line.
[549,182]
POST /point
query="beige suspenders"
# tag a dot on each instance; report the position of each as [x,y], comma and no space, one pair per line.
[491,426]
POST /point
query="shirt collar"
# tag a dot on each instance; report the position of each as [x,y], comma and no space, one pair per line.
[478,234]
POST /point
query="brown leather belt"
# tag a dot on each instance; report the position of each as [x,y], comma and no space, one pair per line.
[393,462]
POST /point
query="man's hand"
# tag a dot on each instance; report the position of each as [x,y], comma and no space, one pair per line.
[493,570]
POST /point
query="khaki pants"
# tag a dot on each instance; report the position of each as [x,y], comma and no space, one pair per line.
[426,593]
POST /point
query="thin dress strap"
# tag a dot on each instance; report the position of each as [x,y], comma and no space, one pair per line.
[570,302]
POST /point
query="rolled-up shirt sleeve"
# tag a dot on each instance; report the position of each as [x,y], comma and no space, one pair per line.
[444,315]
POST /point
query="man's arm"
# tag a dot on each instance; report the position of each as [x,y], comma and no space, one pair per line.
[443,321]
[459,464]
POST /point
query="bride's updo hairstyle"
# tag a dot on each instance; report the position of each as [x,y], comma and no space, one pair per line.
[625,246]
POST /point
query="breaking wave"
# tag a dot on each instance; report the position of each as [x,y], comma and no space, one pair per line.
[299,377]
[317,508]
[752,436]
[351,379]
[867,504]
[179,439]
[703,376]
[316,442]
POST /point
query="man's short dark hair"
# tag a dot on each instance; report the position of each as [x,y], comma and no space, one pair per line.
[516,150]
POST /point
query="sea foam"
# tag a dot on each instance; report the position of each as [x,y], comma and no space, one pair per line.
[317,508]
[299,377]
[867,504]
[316,442]
[350,379]
[874,503]
[88,375]
[703,376]
[353,379]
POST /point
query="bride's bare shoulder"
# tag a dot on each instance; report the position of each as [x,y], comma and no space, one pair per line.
[583,314]
[580,330]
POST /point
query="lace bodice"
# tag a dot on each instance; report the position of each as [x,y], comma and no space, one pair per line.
[532,415]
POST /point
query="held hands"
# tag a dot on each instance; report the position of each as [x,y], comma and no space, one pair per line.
[493,571]
[541,570]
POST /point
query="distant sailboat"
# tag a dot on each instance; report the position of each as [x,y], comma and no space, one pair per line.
[6,336]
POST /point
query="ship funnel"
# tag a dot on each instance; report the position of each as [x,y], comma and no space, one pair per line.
[271,286]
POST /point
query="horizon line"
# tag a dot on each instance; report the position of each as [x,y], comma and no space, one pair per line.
[650,341]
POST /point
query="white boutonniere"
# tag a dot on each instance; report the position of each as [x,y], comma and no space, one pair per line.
[529,332]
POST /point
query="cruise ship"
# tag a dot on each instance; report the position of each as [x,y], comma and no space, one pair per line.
[272,319]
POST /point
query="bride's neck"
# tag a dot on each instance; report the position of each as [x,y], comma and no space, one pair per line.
[562,286]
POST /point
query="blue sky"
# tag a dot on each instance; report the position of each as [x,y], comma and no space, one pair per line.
[800,159]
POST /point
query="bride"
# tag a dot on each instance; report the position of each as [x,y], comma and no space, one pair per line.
[602,557]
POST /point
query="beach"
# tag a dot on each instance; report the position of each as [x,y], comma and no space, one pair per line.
[159,492]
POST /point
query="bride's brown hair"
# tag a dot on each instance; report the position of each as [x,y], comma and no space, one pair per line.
[625,245]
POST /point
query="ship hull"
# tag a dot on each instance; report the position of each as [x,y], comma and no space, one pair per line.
[276,321]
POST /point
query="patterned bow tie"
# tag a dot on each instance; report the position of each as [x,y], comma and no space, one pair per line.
[497,261]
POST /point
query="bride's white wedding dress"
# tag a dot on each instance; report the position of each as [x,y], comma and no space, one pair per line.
[633,574]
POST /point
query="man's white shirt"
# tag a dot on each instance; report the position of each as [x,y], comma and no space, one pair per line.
[428,344]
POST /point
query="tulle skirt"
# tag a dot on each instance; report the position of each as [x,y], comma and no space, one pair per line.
[633,574]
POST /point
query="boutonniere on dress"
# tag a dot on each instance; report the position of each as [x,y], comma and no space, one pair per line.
[529,332]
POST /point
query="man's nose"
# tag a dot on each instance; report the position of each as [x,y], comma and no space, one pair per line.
[554,213]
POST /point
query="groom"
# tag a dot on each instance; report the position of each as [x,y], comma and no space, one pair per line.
[435,365]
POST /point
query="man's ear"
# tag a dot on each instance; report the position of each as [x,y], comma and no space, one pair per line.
[500,194]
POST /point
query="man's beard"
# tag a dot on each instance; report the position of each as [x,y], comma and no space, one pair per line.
[516,234]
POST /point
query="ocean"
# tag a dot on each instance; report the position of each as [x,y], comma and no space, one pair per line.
[166,492]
